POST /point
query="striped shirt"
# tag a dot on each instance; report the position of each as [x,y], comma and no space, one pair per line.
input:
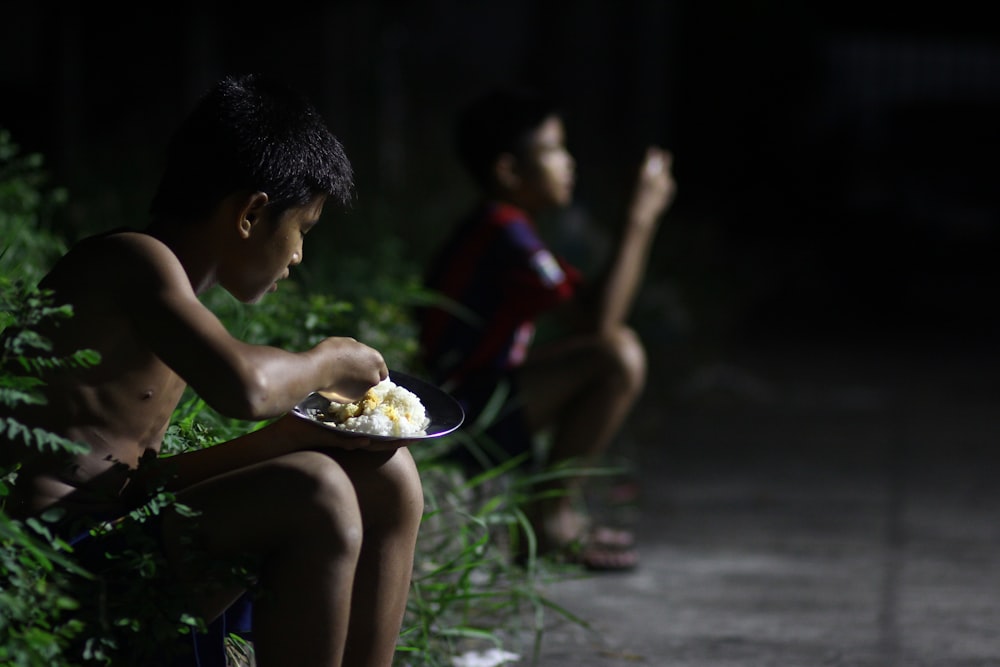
[501,276]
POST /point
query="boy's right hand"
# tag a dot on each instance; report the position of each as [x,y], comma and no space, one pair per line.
[354,368]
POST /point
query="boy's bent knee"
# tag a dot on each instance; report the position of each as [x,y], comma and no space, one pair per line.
[402,489]
[317,496]
[628,356]
[311,474]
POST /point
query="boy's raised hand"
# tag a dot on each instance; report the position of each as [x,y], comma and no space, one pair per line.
[654,188]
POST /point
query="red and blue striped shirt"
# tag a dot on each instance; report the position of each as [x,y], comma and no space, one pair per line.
[499,276]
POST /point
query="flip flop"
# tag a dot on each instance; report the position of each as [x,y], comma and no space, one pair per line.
[596,559]
[602,549]
[598,548]
[607,536]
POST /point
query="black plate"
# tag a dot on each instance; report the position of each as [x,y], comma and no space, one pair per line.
[445,413]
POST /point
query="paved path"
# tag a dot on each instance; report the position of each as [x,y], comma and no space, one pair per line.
[810,506]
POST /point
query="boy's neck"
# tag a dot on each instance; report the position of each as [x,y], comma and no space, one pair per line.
[196,252]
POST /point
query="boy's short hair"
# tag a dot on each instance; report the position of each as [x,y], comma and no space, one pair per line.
[255,134]
[497,123]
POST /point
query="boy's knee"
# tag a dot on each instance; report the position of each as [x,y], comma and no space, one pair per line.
[628,354]
[320,498]
[405,489]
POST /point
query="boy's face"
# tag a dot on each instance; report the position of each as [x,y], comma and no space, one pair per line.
[546,167]
[272,246]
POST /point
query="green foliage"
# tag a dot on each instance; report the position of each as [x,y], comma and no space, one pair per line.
[37,620]
[25,355]
[37,603]
[28,245]
[382,285]
[478,574]
[135,614]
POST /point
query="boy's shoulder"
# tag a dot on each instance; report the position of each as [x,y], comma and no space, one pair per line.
[127,242]
[114,257]
[500,214]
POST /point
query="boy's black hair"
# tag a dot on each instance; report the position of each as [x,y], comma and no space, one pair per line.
[496,123]
[255,134]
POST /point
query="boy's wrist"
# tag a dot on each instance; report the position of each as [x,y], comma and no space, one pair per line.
[641,219]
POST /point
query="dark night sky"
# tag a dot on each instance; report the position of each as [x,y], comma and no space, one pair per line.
[835,164]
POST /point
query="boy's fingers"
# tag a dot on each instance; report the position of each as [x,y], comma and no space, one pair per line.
[654,165]
[334,396]
[658,160]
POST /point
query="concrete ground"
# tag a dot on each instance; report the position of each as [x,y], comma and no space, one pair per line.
[805,505]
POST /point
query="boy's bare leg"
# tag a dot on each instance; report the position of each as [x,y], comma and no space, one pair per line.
[300,513]
[583,389]
[391,500]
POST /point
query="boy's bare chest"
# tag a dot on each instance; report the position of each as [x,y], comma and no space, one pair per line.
[131,393]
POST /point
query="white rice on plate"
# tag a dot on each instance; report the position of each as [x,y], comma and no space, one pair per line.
[387,409]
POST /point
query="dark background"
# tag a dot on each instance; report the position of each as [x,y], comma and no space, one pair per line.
[837,163]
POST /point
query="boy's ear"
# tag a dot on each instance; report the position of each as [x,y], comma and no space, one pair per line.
[505,172]
[250,211]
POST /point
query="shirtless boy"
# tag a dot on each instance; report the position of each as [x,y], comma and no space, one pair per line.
[332,520]
[580,385]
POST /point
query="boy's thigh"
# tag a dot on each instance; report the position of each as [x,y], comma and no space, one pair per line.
[552,378]
[249,509]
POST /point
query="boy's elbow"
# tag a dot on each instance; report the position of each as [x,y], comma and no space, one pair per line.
[249,398]
[258,399]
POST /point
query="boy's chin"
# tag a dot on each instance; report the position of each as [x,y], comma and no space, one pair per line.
[250,299]
[260,296]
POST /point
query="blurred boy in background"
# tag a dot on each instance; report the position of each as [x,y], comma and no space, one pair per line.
[498,277]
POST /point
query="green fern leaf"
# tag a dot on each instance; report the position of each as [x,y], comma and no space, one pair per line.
[44,439]
[14,395]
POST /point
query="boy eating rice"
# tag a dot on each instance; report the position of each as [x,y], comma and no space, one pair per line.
[329,521]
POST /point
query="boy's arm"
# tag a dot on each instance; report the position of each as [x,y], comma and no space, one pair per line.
[611,299]
[284,436]
[236,378]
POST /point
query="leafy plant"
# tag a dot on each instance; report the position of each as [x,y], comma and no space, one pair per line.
[27,207]
[36,599]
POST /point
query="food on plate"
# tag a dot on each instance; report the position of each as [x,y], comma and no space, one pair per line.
[386,409]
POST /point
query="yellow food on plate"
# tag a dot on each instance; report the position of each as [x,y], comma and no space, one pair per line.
[386,409]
